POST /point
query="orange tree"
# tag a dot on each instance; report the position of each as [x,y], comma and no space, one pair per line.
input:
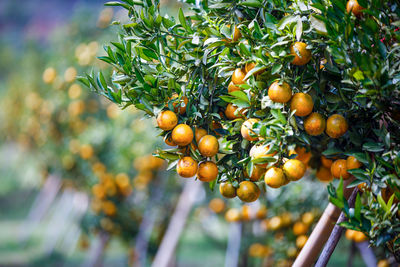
[239,85]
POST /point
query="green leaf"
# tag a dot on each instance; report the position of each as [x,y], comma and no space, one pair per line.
[251,3]
[357,208]
[182,19]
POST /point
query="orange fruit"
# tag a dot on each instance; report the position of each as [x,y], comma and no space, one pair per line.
[275,177]
[230,112]
[302,103]
[352,163]
[307,218]
[300,228]
[217,205]
[49,75]
[168,140]
[256,250]
[248,191]
[301,54]
[98,191]
[260,151]
[256,174]
[232,87]
[315,124]
[246,213]
[249,66]
[383,263]
[182,135]
[207,172]
[199,133]
[294,169]
[86,151]
[275,223]
[227,190]
[232,215]
[350,234]
[359,237]
[109,208]
[354,6]
[238,76]
[280,93]
[236,34]
[327,163]
[180,105]
[261,212]
[208,146]
[186,167]
[339,169]
[302,154]
[246,130]
[167,120]
[301,241]
[336,126]
[324,174]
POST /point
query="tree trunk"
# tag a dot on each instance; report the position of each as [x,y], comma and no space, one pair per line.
[178,220]
[321,232]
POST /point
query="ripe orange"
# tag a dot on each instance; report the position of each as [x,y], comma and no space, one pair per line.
[275,223]
[207,172]
[98,191]
[199,133]
[301,54]
[180,105]
[256,174]
[232,87]
[238,76]
[227,190]
[261,151]
[261,212]
[230,112]
[324,174]
[307,218]
[217,205]
[168,140]
[294,169]
[327,163]
[336,126]
[280,93]
[383,263]
[301,241]
[315,124]
[339,169]
[249,66]
[186,167]
[182,135]
[232,215]
[236,34]
[246,213]
[354,6]
[167,120]
[359,237]
[275,177]
[246,130]
[109,208]
[208,146]
[86,151]
[300,228]
[302,154]
[302,103]
[352,163]
[350,234]
[248,191]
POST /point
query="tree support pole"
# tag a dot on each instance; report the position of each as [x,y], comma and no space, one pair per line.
[96,253]
[321,232]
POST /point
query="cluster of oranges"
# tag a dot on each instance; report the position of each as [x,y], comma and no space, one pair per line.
[146,167]
[355,236]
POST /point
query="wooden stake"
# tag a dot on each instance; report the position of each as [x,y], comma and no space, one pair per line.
[168,245]
[335,235]
[367,254]
[96,253]
[321,232]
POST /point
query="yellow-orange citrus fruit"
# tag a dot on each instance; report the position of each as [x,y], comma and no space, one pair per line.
[248,191]
[98,191]
[327,163]
[307,218]
[70,74]
[256,174]
[186,167]
[168,140]
[302,154]
[286,218]
[350,234]
[167,120]
[232,87]
[208,146]
[232,215]
[336,126]
[359,237]
[324,174]
[49,75]
[199,133]
[291,252]
[294,169]
[109,208]
[256,250]
[217,205]
[339,169]
[246,213]
[182,135]
[280,93]
[227,190]
[238,76]
[230,112]
[301,241]
[315,124]
[301,54]
[181,104]
[352,163]
[246,130]
[354,6]
[383,263]
[86,151]
[249,66]
[207,172]
[261,212]
[302,103]
[300,228]
[275,177]
[236,34]
[275,223]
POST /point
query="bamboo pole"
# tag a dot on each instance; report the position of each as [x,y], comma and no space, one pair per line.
[168,245]
[335,235]
[367,254]
[321,232]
